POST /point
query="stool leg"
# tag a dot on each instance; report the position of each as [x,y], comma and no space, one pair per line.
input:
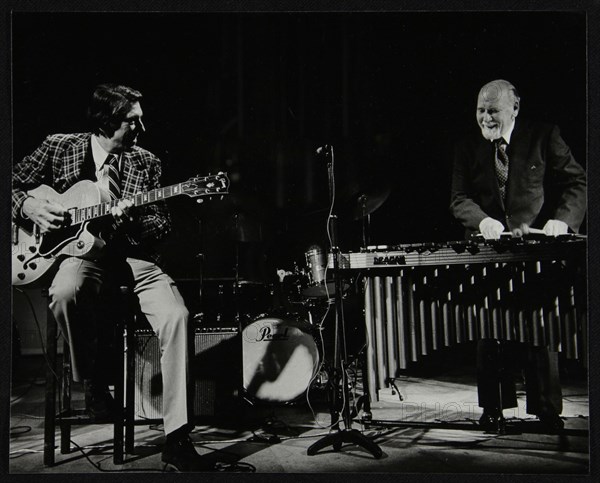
[50,398]
[130,386]
[65,405]
[119,402]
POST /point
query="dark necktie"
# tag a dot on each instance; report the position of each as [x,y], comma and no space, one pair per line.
[114,179]
[501,165]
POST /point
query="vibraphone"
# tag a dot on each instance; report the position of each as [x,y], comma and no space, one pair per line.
[419,298]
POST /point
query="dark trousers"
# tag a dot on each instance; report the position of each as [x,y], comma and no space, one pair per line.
[497,363]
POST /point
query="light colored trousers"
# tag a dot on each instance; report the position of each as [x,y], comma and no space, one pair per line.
[76,303]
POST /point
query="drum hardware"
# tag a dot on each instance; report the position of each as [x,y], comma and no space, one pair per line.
[321,380]
[373,193]
[316,263]
[365,222]
[339,376]
[318,286]
[227,303]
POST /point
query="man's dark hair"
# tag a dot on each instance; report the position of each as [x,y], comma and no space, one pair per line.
[109,105]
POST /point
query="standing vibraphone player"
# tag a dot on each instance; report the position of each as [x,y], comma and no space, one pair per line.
[516,176]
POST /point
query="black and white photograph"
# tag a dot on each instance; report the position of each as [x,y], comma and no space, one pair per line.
[299,241]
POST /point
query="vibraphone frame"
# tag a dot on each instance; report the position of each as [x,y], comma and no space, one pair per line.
[419,298]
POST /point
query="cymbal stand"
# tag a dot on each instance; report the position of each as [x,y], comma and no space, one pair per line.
[339,376]
[366,221]
[236,281]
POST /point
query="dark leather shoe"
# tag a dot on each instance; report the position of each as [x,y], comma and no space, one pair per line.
[551,421]
[489,420]
[181,456]
[99,402]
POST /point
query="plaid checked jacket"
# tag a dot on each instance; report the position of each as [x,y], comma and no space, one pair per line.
[58,163]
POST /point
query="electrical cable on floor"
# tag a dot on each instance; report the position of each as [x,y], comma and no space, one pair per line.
[207,443]
[22,452]
[25,416]
[238,467]
[19,430]
[103,470]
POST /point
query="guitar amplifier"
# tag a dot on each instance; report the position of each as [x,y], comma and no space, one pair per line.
[215,369]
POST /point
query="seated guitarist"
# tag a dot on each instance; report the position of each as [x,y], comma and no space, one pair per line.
[79,285]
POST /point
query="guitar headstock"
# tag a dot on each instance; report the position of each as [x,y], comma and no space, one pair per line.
[211,185]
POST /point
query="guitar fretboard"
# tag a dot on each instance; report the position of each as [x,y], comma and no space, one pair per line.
[80,215]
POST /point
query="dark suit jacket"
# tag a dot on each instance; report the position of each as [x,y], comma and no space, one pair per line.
[62,160]
[544,181]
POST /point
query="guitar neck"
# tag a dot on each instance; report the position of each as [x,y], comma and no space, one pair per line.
[81,215]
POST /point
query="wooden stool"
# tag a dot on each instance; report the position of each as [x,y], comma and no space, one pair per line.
[65,417]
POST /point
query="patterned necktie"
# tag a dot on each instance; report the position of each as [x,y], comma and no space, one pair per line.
[114,179]
[501,165]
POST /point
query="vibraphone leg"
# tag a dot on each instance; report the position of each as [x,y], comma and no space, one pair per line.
[501,425]
[367,415]
[370,382]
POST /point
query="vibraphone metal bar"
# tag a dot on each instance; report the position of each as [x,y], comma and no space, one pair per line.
[507,249]
[423,297]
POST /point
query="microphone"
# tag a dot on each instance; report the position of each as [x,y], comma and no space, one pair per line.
[325,149]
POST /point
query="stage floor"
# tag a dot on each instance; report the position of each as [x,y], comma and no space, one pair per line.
[433,430]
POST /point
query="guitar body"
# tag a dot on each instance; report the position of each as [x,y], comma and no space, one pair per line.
[34,254]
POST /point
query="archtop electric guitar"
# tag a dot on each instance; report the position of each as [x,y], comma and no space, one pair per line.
[34,253]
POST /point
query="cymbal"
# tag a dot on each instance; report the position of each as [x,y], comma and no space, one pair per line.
[368,199]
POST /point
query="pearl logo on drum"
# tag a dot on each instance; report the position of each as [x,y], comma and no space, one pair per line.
[266,334]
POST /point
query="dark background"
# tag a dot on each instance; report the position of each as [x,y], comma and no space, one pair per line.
[255,94]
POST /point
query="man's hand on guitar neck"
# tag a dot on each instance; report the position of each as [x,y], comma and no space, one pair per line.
[48,215]
[122,213]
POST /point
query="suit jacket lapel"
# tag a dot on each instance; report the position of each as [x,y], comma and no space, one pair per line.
[130,176]
[74,159]
[517,155]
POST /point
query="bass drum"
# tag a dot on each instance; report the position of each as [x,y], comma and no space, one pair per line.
[280,358]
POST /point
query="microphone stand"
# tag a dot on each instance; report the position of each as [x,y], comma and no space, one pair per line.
[339,376]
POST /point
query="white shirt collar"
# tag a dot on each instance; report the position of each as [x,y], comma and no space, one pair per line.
[98,152]
[508,133]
